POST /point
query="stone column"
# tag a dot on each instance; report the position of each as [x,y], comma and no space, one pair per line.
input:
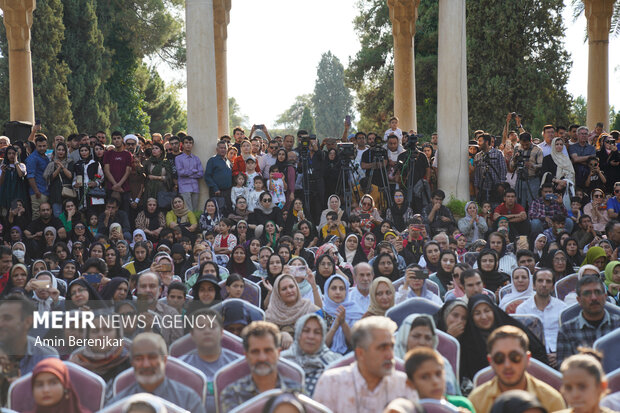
[201,84]
[18,21]
[404,14]
[452,100]
[598,13]
[221,14]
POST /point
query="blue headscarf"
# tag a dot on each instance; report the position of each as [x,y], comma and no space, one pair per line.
[353,312]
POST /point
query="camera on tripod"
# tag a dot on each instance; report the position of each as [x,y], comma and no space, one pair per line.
[304,142]
[520,159]
[412,142]
[377,149]
[346,151]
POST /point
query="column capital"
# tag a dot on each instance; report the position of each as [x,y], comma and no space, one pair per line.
[18,21]
[221,18]
[403,14]
[598,13]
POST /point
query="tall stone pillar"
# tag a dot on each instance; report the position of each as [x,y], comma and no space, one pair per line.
[221,14]
[452,100]
[598,13]
[201,83]
[404,14]
[18,21]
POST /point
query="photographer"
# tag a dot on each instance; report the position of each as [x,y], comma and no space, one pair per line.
[309,149]
[413,161]
[512,135]
[489,169]
[526,163]
[544,208]
[370,159]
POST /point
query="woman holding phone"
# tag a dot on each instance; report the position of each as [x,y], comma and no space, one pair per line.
[298,268]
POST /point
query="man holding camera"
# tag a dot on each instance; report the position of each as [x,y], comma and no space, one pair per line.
[544,208]
[526,163]
[412,161]
[489,169]
[374,159]
[309,149]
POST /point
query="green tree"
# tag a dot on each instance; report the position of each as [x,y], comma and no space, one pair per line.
[615,125]
[307,121]
[83,51]
[235,117]
[332,99]
[291,117]
[579,111]
[162,103]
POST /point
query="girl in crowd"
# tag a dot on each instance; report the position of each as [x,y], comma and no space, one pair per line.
[286,304]
[151,220]
[341,313]
[296,215]
[310,234]
[368,244]
[452,317]
[522,287]
[241,212]
[400,213]
[484,317]
[352,251]
[583,384]
[141,258]
[206,293]
[488,263]
[298,267]
[58,174]
[472,225]
[443,277]
[309,350]
[235,285]
[240,262]
[52,390]
[382,296]
[418,330]
[416,285]
[571,248]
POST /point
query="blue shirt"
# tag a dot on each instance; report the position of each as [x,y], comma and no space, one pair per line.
[218,174]
[614,204]
[35,165]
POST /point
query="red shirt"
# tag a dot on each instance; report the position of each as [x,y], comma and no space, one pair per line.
[503,210]
[118,161]
[239,166]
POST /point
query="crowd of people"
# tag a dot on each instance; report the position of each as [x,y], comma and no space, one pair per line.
[305,249]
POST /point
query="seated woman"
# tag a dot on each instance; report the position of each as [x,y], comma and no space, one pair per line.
[325,268]
[141,259]
[333,204]
[418,330]
[612,280]
[452,317]
[415,286]
[151,220]
[367,212]
[443,277]
[206,293]
[400,213]
[240,263]
[557,261]
[116,290]
[472,225]
[235,285]
[430,256]
[113,261]
[311,235]
[296,215]
[211,216]
[82,295]
[340,312]
[352,251]
[488,264]
[309,350]
[382,295]
[386,266]
[484,317]
[571,247]
[52,390]
[522,287]
[286,305]
[597,210]
[181,216]
[298,267]
[596,256]
[107,360]
[45,291]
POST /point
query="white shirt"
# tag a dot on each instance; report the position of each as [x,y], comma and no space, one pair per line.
[550,317]
[344,390]
[362,300]
[547,148]
[265,162]
[396,132]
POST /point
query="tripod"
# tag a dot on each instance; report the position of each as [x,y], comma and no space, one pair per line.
[304,155]
[347,183]
[385,201]
[522,180]
[410,165]
[486,175]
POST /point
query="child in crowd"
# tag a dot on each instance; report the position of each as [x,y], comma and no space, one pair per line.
[575,209]
[250,171]
[254,194]
[239,188]
[277,186]
[225,241]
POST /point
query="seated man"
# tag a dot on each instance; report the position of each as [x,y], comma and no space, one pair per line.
[360,292]
[16,318]
[148,359]
[209,356]
[517,217]
[593,321]
[509,357]
[472,285]
[437,217]
[371,382]
[544,208]
[333,226]
[261,341]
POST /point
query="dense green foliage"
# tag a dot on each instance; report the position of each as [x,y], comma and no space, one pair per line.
[332,99]
[307,121]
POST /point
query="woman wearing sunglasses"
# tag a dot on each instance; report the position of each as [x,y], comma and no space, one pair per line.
[264,213]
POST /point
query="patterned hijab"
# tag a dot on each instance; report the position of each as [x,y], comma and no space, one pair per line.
[281,314]
[374,308]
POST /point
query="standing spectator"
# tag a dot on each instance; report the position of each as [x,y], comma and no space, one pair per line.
[489,169]
[158,172]
[580,154]
[88,174]
[218,173]
[613,203]
[593,321]
[58,174]
[12,179]
[35,166]
[189,171]
[532,158]
[117,167]
[270,158]
[609,157]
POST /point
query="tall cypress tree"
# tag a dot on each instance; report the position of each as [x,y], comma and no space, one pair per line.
[89,61]
[49,73]
[307,121]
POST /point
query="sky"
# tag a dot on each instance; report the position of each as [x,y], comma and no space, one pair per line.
[275,46]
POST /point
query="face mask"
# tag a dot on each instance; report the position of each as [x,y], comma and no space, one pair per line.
[19,254]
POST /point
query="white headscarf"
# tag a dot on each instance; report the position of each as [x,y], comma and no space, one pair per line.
[565,168]
[514,294]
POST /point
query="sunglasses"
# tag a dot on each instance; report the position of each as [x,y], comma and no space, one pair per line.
[267,200]
[513,356]
[598,196]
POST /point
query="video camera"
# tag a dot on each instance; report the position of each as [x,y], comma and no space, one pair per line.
[412,142]
[520,159]
[377,148]
[346,151]
[304,141]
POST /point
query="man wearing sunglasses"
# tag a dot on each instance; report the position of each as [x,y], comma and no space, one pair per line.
[613,204]
[509,357]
